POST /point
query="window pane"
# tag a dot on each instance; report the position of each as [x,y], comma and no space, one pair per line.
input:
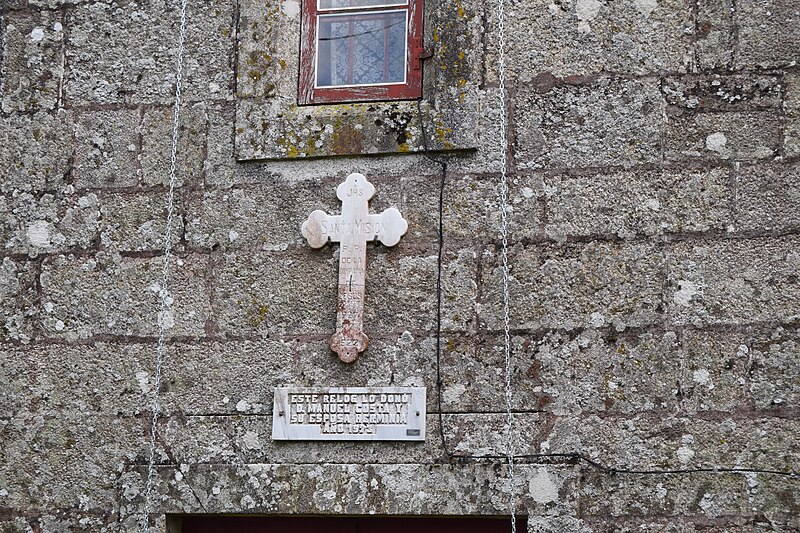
[361,49]
[344,4]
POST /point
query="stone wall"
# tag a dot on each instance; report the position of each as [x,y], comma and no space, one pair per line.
[654,254]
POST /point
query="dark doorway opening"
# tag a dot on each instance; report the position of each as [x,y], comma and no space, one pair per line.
[337,524]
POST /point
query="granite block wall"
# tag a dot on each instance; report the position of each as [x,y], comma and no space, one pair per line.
[654,150]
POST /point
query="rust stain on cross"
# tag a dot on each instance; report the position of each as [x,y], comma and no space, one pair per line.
[352,230]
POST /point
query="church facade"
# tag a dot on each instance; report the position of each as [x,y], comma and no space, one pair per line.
[340,356]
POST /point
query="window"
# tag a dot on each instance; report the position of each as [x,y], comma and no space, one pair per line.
[360,50]
[270,125]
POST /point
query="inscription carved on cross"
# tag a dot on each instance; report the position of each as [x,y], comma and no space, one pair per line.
[353,229]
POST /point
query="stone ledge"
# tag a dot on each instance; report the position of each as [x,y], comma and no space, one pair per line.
[401,489]
[290,131]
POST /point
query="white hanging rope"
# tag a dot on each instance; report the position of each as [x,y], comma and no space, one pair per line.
[166,299]
[501,63]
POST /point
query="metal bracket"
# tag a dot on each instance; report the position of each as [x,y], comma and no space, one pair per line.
[418,53]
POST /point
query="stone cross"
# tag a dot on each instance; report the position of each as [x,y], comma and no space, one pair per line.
[353,229]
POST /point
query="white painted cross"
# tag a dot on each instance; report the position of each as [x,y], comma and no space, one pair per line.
[353,228]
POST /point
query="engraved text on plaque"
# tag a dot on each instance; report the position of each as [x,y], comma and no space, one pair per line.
[349,413]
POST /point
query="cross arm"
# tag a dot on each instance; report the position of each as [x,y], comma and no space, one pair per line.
[321,228]
[392,226]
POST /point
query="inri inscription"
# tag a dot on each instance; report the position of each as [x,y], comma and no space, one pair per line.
[353,229]
[349,413]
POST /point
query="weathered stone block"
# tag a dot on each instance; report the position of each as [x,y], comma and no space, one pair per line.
[715,371]
[454,36]
[715,35]
[270,293]
[263,217]
[210,439]
[235,378]
[734,281]
[592,372]
[34,224]
[238,377]
[35,151]
[109,295]
[220,164]
[401,291]
[705,495]
[473,376]
[101,522]
[760,443]
[468,489]
[247,439]
[233,218]
[157,145]
[680,524]
[775,497]
[768,33]
[791,106]
[646,442]
[268,51]
[104,68]
[722,136]
[560,524]
[107,145]
[486,157]
[18,299]
[627,204]
[526,201]
[67,460]
[103,379]
[558,40]
[266,293]
[135,222]
[608,122]
[668,443]
[775,369]
[52,4]
[768,197]
[18,524]
[568,38]
[645,37]
[484,434]
[53,223]
[724,93]
[575,285]
[32,68]
[390,360]
[471,207]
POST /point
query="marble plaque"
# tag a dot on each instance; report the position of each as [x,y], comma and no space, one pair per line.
[349,413]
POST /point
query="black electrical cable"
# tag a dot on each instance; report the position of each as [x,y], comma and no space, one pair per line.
[571,457]
[442,177]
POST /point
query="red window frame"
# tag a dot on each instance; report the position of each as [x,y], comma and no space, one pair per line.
[308,93]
